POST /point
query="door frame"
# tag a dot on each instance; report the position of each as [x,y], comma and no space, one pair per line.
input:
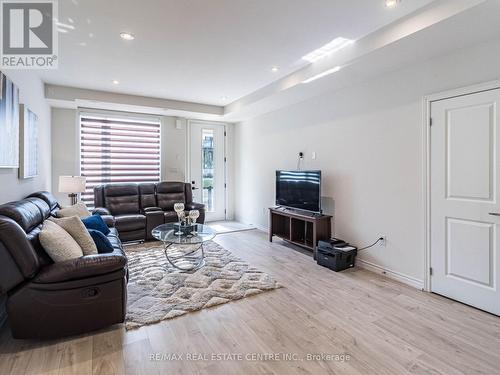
[426,162]
[188,156]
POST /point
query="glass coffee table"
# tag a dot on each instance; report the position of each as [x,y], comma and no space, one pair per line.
[184,253]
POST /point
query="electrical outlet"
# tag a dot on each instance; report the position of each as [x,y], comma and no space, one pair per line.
[383,241]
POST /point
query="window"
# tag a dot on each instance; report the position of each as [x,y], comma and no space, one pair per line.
[117,150]
[207,149]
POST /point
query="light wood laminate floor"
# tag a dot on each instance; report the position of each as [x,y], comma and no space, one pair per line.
[385,327]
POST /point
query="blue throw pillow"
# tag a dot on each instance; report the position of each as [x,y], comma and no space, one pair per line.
[101,241]
[96,222]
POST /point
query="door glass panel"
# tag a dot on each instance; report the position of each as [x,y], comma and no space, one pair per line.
[207,168]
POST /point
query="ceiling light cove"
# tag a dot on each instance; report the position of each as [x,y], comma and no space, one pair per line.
[64,27]
[320,75]
[391,3]
[127,36]
[326,50]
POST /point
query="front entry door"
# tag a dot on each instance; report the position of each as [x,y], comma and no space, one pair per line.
[465,208]
[207,169]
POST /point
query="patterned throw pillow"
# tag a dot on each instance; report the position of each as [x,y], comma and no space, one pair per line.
[74,226]
[79,209]
[58,243]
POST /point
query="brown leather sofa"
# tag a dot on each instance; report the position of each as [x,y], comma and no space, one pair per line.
[47,299]
[139,208]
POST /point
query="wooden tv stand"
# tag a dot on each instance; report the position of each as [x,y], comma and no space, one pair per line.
[298,228]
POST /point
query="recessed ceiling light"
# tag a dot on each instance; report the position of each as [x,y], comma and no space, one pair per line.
[327,49]
[391,3]
[223,98]
[275,68]
[325,73]
[115,82]
[127,36]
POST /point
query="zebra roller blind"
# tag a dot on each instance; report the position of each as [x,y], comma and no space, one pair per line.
[117,150]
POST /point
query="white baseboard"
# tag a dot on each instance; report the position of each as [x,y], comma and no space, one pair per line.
[405,279]
[394,275]
[261,227]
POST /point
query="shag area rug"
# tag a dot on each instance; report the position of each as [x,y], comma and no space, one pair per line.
[156,292]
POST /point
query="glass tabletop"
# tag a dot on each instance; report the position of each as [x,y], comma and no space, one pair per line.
[166,233]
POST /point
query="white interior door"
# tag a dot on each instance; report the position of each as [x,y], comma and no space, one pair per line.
[207,168]
[465,213]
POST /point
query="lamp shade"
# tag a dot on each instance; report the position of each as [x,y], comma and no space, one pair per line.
[71,184]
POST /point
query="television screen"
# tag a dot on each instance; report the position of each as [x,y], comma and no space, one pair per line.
[299,189]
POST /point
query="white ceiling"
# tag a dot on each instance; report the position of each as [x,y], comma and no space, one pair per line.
[201,50]
[454,31]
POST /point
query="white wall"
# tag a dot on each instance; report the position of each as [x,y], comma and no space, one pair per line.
[31,93]
[368,140]
[173,149]
[64,144]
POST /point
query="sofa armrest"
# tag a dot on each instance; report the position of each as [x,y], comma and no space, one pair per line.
[152,209]
[194,206]
[106,216]
[80,268]
[101,211]
[109,220]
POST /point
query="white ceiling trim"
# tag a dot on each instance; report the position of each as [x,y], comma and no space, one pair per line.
[72,97]
[430,15]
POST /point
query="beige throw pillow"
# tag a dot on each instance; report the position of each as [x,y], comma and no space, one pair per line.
[79,209]
[58,243]
[74,226]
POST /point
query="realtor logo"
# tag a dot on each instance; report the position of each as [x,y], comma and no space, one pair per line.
[29,36]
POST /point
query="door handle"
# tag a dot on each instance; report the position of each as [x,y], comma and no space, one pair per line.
[494,213]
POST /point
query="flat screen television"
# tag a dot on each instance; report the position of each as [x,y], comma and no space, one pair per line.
[299,189]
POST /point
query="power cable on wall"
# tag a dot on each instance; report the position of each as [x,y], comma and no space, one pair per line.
[299,161]
[373,244]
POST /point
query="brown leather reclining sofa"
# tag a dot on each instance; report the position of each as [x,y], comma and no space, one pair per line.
[139,208]
[47,299]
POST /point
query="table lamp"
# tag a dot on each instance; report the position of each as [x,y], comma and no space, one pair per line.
[72,185]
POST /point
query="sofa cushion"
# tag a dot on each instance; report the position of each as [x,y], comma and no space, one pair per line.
[127,223]
[96,222]
[81,268]
[58,243]
[75,227]
[168,193]
[122,199]
[115,241]
[14,239]
[47,197]
[79,209]
[171,217]
[24,212]
[42,206]
[147,195]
